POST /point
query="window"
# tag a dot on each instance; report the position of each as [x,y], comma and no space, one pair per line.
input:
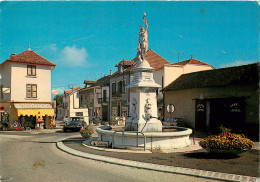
[104,96]
[31,70]
[118,109]
[124,86]
[120,87]
[31,91]
[113,89]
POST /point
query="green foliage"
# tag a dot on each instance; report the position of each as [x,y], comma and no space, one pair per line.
[224,129]
[58,99]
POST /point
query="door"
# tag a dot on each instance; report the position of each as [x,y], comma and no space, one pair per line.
[200,114]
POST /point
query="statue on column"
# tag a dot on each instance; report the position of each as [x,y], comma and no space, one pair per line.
[143,38]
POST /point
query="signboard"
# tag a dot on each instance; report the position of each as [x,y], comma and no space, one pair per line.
[79,114]
[2,109]
[235,107]
[100,143]
[170,108]
[54,92]
[6,90]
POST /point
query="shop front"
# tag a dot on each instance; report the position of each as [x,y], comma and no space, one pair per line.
[28,115]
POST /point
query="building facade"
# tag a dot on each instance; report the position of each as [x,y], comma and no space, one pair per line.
[89,99]
[206,100]
[71,105]
[26,89]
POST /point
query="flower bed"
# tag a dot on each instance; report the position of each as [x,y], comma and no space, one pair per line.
[227,141]
[87,131]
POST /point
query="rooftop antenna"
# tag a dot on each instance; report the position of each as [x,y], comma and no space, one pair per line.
[29,47]
[178,54]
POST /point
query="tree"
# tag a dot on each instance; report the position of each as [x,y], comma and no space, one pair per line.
[58,99]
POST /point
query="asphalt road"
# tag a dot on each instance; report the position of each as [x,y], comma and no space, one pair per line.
[36,158]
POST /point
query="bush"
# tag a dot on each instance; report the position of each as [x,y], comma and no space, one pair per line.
[227,141]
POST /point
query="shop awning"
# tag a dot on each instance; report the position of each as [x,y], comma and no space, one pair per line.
[34,109]
[35,112]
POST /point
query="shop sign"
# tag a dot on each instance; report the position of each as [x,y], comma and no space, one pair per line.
[79,113]
[2,109]
[100,143]
[234,107]
[54,92]
[200,108]
[6,90]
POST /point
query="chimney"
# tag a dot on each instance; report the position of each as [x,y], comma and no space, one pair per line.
[111,72]
[12,54]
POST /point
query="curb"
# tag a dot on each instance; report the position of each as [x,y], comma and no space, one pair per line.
[161,168]
[34,131]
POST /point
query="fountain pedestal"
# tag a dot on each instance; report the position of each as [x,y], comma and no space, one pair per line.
[143,102]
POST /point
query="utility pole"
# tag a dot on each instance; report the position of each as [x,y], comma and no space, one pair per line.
[178,54]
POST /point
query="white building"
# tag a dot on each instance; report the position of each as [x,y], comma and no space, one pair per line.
[26,89]
[71,105]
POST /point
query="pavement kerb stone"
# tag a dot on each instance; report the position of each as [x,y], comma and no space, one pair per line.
[34,131]
[157,167]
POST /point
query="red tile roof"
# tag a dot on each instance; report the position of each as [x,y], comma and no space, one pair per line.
[155,60]
[191,61]
[125,62]
[222,77]
[69,91]
[29,57]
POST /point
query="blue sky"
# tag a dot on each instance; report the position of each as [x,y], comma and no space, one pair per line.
[86,39]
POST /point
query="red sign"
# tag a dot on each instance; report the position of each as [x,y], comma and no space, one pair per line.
[39,112]
[2,108]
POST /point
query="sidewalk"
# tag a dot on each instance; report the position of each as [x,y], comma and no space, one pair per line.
[191,160]
[33,131]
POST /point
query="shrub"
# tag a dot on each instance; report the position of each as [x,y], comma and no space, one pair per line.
[227,141]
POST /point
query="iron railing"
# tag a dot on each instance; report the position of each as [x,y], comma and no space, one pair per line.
[123,135]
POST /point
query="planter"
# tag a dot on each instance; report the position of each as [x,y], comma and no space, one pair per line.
[223,151]
[85,135]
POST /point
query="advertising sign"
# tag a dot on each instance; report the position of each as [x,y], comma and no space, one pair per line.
[54,92]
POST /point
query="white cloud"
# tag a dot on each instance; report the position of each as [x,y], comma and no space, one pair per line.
[237,63]
[60,90]
[73,57]
[52,47]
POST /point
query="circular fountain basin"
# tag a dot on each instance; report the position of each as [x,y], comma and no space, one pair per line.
[154,140]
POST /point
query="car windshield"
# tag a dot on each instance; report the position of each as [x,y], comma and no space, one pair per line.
[75,122]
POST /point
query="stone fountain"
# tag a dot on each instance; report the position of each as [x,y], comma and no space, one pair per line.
[142,127]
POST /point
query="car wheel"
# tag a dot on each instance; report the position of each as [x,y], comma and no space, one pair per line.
[65,130]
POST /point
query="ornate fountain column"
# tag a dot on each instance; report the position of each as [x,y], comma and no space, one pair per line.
[143,102]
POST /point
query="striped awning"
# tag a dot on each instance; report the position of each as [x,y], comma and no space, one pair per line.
[34,109]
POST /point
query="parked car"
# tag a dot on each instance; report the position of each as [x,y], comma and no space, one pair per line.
[74,124]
